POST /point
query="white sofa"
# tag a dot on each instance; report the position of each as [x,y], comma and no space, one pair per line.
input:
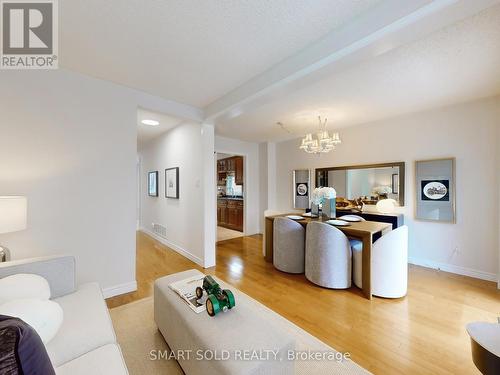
[86,342]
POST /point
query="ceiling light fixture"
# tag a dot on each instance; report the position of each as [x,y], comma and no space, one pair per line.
[323,142]
[150,122]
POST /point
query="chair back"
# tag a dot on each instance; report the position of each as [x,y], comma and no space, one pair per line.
[328,256]
[390,264]
[288,243]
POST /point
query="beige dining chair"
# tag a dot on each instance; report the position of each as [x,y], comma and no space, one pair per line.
[328,256]
[389,268]
[289,241]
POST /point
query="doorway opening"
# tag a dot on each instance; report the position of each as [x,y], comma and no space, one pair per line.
[230,176]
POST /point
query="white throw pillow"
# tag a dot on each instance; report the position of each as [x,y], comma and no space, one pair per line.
[45,317]
[23,286]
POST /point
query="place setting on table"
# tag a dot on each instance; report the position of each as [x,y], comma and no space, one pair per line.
[325,197]
[335,222]
[344,221]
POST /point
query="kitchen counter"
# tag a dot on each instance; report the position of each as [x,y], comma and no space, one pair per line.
[231,198]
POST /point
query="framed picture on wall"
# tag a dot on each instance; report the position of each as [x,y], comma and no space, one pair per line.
[153,184]
[435,190]
[172,183]
[301,184]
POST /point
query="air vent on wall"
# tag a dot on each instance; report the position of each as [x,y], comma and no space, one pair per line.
[160,230]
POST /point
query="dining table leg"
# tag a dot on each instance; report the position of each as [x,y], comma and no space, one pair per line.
[269,240]
[366,275]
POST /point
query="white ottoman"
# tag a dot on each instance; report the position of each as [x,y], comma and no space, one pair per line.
[245,338]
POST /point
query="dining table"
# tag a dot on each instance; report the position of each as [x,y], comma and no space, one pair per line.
[360,230]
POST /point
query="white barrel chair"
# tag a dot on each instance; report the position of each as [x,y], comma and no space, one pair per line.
[328,256]
[288,244]
[389,264]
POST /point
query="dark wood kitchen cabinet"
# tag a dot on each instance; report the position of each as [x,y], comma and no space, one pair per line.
[221,166]
[239,220]
[234,165]
[238,170]
[230,214]
[222,212]
[230,165]
[232,217]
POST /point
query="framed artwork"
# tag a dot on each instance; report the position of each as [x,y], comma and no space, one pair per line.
[395,183]
[172,183]
[302,189]
[435,190]
[153,184]
[301,185]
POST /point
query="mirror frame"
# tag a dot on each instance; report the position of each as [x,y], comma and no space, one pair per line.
[400,164]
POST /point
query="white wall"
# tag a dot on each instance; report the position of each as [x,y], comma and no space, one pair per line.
[498,201]
[251,186]
[68,142]
[468,132]
[263,183]
[184,217]
[209,196]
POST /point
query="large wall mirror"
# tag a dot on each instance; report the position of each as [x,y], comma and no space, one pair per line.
[369,182]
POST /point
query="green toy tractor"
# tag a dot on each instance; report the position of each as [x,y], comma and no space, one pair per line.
[218,299]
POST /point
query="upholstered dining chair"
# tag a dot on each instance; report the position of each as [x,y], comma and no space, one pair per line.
[389,264]
[357,253]
[328,256]
[289,242]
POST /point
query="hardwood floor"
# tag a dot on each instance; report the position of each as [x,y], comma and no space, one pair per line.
[423,333]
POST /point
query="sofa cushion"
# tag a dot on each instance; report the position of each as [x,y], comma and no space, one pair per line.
[86,325]
[106,360]
[23,286]
[45,317]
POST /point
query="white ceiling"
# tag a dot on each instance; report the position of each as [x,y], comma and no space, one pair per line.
[456,64]
[145,133]
[192,51]
[246,65]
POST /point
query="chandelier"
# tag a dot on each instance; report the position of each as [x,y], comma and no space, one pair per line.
[322,143]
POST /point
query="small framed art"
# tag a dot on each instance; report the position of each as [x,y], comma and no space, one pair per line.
[172,183]
[153,184]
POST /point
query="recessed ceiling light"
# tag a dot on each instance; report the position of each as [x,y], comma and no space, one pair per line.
[150,122]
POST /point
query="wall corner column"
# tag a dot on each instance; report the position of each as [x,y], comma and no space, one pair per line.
[209,194]
[271,175]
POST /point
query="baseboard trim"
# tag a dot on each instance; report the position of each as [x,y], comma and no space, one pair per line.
[119,289]
[465,271]
[175,247]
